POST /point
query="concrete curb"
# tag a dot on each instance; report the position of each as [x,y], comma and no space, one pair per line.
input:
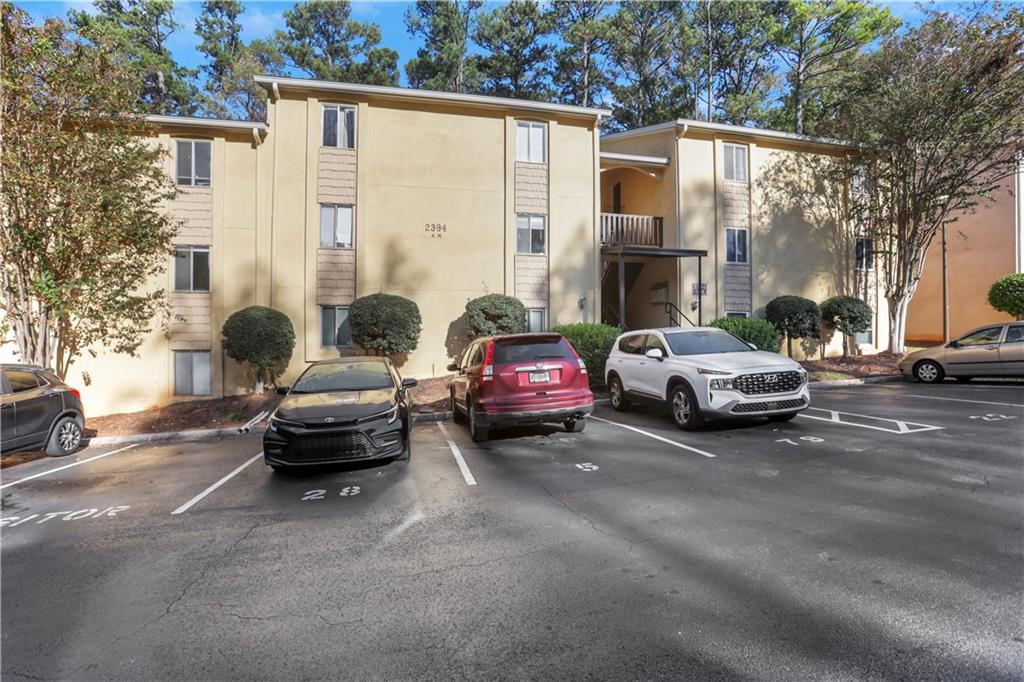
[839,383]
[205,434]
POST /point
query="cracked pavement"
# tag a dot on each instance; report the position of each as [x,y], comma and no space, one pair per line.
[856,554]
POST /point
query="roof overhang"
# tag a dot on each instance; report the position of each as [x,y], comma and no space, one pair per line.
[683,127]
[275,84]
[652,252]
[256,128]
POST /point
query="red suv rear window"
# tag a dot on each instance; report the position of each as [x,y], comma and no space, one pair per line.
[532,349]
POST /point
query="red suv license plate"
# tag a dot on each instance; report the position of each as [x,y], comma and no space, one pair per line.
[540,377]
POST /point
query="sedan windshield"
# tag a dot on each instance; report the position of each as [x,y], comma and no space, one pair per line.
[344,376]
[705,341]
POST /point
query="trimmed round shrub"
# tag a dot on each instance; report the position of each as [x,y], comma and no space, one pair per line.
[386,324]
[847,315]
[761,333]
[796,317]
[262,337]
[593,342]
[1007,295]
[495,314]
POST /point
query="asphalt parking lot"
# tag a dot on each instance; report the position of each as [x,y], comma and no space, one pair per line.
[879,536]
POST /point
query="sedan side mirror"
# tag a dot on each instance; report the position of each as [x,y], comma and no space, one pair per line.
[283,390]
[954,344]
[453,367]
[655,354]
[409,383]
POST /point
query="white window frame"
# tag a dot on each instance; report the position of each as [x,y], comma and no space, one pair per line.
[534,153]
[338,108]
[192,250]
[532,218]
[869,255]
[746,244]
[352,226]
[192,171]
[543,319]
[737,314]
[731,150]
[192,372]
[320,323]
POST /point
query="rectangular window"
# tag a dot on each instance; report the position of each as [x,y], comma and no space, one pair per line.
[192,163]
[339,129]
[530,234]
[334,328]
[535,320]
[735,162]
[728,314]
[736,244]
[192,268]
[335,226]
[530,142]
[191,372]
[861,185]
[864,254]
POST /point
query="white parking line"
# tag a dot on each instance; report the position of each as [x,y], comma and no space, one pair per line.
[962,400]
[463,467]
[837,417]
[188,505]
[67,466]
[654,436]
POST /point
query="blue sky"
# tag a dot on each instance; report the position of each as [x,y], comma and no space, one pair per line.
[262,18]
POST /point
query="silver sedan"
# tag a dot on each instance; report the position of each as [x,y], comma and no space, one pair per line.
[995,350]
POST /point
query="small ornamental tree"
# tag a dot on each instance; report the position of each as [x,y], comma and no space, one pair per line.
[262,337]
[1007,295]
[761,333]
[794,316]
[385,324]
[594,343]
[495,314]
[847,315]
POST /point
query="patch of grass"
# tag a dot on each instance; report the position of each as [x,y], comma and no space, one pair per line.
[827,375]
[237,416]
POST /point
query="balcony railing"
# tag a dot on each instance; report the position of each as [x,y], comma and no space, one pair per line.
[620,229]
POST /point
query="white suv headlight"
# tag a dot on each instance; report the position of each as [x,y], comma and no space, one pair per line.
[721,383]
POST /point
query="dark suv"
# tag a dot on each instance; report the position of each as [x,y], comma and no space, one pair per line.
[38,410]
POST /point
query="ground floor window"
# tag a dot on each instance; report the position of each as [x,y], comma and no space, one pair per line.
[334,327]
[866,337]
[535,321]
[191,372]
[728,314]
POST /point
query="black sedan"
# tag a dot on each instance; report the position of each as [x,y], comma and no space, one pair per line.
[347,410]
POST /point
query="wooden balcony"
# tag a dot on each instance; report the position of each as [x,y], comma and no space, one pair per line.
[621,229]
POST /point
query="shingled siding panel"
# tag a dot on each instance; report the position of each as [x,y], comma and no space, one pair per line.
[335,276]
[531,187]
[531,278]
[190,327]
[736,204]
[192,211]
[737,288]
[337,176]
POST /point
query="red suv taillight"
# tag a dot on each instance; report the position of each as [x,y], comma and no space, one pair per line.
[75,392]
[488,371]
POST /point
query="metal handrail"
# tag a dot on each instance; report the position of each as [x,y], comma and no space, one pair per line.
[672,320]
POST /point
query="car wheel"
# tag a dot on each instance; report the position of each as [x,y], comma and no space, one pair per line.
[575,425]
[783,417]
[457,415]
[478,433]
[685,411]
[928,372]
[65,439]
[617,395]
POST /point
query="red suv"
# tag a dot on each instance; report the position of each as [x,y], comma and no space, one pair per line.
[520,379]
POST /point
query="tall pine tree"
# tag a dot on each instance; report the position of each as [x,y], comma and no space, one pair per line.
[517,59]
[443,62]
[580,75]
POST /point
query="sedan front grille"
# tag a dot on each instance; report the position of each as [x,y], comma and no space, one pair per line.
[346,445]
[769,406]
[768,382]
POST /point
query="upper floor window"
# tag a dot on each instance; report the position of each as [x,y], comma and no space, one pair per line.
[530,142]
[736,244]
[530,234]
[864,252]
[192,163]
[335,226]
[861,185]
[735,162]
[339,126]
[192,268]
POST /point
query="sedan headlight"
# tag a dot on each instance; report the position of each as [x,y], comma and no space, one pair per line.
[276,421]
[392,414]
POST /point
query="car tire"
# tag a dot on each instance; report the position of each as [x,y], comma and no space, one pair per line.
[575,425]
[407,450]
[478,433]
[617,394]
[65,438]
[457,416]
[685,409]
[783,417]
[929,372]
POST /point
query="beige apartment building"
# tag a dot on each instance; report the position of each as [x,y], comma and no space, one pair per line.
[348,190]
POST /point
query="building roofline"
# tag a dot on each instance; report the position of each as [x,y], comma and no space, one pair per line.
[206,123]
[635,159]
[682,126]
[387,92]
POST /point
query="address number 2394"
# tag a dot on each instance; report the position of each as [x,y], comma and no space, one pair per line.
[435,230]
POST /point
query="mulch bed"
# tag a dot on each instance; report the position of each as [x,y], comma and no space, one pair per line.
[882,364]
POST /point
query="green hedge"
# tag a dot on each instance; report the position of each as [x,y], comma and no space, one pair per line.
[262,337]
[495,314]
[385,323]
[1007,294]
[593,342]
[761,333]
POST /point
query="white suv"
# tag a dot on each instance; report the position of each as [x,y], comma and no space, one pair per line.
[704,373]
